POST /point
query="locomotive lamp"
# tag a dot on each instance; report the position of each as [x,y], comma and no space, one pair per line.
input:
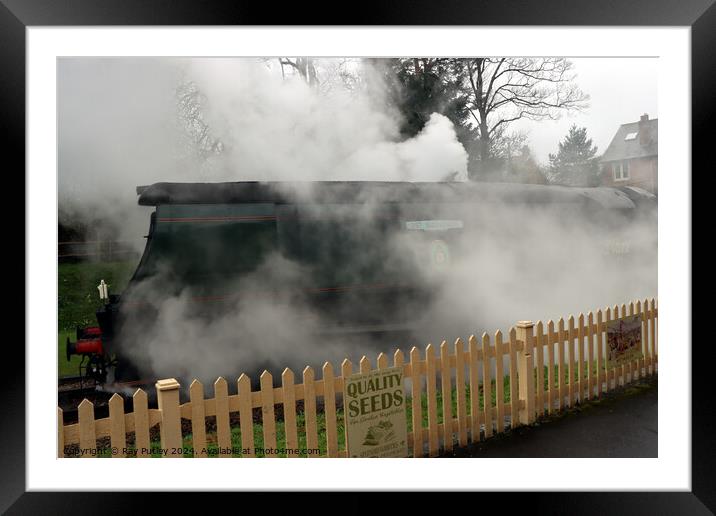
[103,291]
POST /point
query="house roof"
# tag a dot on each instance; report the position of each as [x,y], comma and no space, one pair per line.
[622,148]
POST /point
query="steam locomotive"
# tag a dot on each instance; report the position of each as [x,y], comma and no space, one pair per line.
[361,255]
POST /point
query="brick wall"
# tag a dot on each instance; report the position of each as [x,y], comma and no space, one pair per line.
[643,172]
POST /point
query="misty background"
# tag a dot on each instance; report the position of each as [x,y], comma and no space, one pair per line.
[124,122]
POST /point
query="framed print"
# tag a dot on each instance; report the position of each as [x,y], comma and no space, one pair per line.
[191,170]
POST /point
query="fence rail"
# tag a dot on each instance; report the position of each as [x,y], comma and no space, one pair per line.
[105,250]
[542,376]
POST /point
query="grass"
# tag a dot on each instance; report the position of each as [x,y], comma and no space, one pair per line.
[77,294]
[78,300]
[65,368]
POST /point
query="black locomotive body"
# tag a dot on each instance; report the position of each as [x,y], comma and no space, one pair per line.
[360,257]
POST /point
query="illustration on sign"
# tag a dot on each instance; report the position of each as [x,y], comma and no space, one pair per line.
[624,340]
[376,424]
[380,433]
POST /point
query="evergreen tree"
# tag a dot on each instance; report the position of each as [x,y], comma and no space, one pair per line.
[418,87]
[575,163]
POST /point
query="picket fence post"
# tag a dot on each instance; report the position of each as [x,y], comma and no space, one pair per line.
[170,425]
[525,333]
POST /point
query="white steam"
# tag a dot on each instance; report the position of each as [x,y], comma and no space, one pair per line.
[118,129]
[507,263]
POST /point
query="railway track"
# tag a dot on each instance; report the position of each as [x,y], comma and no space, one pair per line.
[70,393]
[72,390]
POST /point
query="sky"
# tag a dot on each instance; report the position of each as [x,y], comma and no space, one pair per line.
[621,90]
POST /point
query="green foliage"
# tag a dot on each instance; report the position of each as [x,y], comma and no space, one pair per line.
[575,163]
[419,87]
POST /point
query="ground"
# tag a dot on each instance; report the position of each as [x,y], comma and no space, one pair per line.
[623,424]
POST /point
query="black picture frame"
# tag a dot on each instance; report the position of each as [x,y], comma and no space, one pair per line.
[16,15]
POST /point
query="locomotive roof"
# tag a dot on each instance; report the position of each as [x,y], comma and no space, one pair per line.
[383,191]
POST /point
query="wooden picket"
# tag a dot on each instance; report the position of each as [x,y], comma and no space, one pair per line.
[268,417]
[462,422]
[223,428]
[551,338]
[539,363]
[446,393]
[635,309]
[570,358]
[562,373]
[246,416]
[289,411]
[653,334]
[309,408]
[198,418]
[619,369]
[473,362]
[611,370]
[586,372]
[499,382]
[580,358]
[626,368]
[118,432]
[416,403]
[514,395]
[60,434]
[433,436]
[88,437]
[601,370]
[641,362]
[590,355]
[140,407]
[486,385]
[329,409]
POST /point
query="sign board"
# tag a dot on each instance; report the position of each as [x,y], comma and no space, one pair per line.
[434,225]
[374,407]
[624,340]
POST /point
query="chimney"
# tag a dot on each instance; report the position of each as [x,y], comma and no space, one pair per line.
[644,136]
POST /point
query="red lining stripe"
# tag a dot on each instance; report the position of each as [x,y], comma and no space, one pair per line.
[204,299]
[218,219]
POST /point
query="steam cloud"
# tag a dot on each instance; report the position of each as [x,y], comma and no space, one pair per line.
[118,130]
[506,264]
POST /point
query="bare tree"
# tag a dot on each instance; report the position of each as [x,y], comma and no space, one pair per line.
[341,74]
[305,66]
[190,113]
[503,90]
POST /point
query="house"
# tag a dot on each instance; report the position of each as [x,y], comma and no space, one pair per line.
[632,157]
